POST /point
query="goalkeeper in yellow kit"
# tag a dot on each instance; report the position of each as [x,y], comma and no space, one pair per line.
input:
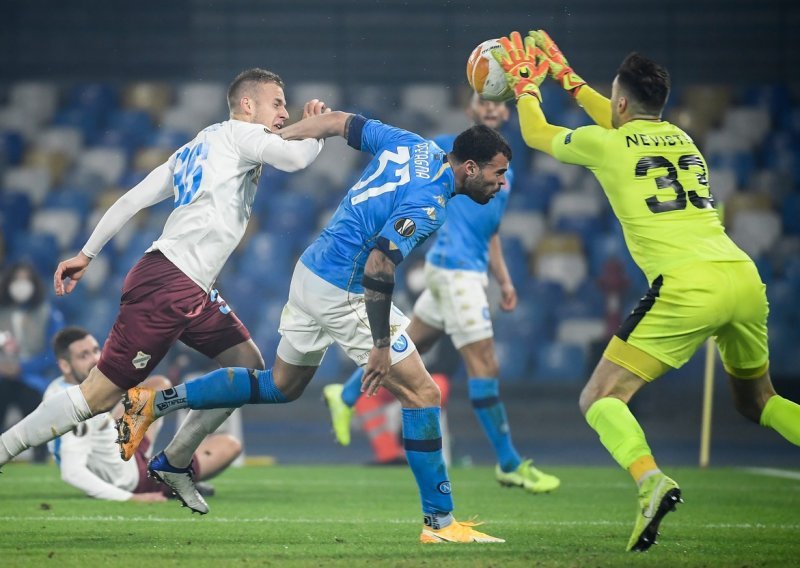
[702,284]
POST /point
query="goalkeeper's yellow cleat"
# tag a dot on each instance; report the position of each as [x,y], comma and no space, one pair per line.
[139,414]
[525,66]
[528,477]
[559,68]
[658,496]
[456,532]
[341,414]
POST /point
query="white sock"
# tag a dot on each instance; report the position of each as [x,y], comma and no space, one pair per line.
[55,416]
[198,425]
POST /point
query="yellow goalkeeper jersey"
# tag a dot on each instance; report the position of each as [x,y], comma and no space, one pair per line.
[657,183]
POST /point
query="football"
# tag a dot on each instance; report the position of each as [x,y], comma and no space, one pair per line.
[485,75]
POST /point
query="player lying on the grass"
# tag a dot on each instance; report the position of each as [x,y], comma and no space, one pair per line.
[341,291]
[702,284]
[88,456]
[169,294]
[455,302]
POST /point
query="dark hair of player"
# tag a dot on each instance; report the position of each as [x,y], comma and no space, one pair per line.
[645,81]
[66,337]
[245,80]
[480,144]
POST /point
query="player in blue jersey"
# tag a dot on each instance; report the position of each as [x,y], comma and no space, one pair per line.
[455,303]
[341,291]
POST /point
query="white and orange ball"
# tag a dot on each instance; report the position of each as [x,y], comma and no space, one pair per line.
[485,75]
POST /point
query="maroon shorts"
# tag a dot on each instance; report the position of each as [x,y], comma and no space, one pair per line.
[159,306]
[148,484]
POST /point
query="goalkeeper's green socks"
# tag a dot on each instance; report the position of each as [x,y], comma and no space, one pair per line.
[783,416]
[622,436]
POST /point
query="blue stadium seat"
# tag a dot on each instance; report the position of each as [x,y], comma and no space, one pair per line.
[86,120]
[544,292]
[135,124]
[742,163]
[561,362]
[41,249]
[168,138]
[790,214]
[513,355]
[11,148]
[531,321]
[289,212]
[68,198]
[516,259]
[96,97]
[15,214]
[98,315]
[534,191]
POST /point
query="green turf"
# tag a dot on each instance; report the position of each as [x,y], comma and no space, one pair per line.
[355,516]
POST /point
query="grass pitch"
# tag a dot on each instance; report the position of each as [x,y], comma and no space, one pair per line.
[358,516]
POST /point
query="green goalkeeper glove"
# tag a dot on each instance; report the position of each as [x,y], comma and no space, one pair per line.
[524,65]
[559,66]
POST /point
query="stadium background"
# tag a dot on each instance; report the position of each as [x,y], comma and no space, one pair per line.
[92,99]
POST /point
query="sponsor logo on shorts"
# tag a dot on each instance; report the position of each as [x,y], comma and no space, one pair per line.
[568,138]
[405,227]
[444,487]
[141,360]
[400,345]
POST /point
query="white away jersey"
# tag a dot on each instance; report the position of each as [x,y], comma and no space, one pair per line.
[214,180]
[89,457]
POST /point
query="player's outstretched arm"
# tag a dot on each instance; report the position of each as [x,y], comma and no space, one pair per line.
[378,285]
[596,105]
[156,187]
[526,67]
[318,126]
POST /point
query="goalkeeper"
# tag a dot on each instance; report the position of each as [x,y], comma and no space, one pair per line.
[702,284]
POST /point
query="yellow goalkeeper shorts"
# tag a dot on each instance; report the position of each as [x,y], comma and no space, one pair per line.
[686,306]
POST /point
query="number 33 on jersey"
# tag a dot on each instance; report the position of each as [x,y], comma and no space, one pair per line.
[657,183]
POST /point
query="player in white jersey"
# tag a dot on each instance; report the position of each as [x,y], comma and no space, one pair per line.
[168,295]
[88,456]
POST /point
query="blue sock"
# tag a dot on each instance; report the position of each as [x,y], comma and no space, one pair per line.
[422,439]
[232,387]
[485,397]
[352,388]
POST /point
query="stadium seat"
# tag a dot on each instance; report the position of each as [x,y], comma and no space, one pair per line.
[63,224]
[41,249]
[205,100]
[527,226]
[560,362]
[560,258]
[514,358]
[184,119]
[581,331]
[790,214]
[722,183]
[425,98]
[11,148]
[67,140]
[534,191]
[33,181]
[330,93]
[56,163]
[36,101]
[98,98]
[15,214]
[152,97]
[86,121]
[146,160]
[748,123]
[168,139]
[104,164]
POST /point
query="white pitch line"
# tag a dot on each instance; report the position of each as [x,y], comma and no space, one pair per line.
[774,472]
[305,520]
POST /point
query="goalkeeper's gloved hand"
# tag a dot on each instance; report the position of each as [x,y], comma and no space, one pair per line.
[524,65]
[559,66]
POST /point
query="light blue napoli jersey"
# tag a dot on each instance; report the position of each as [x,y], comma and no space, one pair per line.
[398,202]
[463,242]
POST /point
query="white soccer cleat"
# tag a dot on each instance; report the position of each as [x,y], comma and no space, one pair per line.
[180,480]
